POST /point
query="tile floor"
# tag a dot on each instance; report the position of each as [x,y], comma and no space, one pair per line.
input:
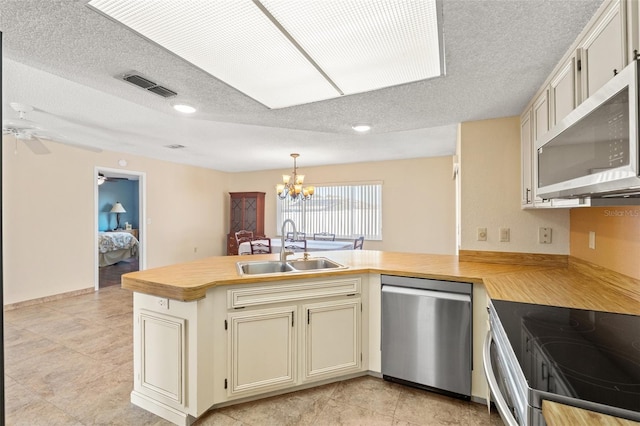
[69,362]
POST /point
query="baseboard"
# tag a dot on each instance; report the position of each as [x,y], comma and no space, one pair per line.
[161,410]
[51,298]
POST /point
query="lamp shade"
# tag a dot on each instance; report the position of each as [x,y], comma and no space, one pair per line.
[117,208]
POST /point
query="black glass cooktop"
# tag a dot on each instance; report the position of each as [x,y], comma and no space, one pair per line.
[588,355]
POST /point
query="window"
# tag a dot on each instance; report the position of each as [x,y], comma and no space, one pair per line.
[348,210]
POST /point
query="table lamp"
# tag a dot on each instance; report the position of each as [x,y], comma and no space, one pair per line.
[117,209]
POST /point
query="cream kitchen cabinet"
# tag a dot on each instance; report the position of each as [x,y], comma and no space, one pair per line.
[592,60]
[161,350]
[563,91]
[540,116]
[540,126]
[332,338]
[285,335]
[262,350]
[604,48]
[172,347]
[526,147]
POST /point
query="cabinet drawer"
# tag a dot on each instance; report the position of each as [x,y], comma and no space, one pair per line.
[256,296]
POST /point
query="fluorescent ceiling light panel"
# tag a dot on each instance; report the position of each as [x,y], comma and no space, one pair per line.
[360,45]
[365,45]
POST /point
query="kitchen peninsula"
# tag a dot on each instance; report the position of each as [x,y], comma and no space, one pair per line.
[200,328]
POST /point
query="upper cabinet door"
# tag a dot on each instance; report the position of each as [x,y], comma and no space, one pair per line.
[526,152]
[540,127]
[563,92]
[540,116]
[604,49]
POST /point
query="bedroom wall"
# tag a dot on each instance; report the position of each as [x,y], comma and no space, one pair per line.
[49,225]
[418,197]
[124,191]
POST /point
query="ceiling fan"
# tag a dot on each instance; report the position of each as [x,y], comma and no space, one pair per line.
[31,134]
[102,178]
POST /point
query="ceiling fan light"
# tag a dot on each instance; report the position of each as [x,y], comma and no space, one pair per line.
[184,108]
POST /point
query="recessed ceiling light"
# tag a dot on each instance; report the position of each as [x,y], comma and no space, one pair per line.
[361,128]
[187,109]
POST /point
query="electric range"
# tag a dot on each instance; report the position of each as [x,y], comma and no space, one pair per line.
[584,358]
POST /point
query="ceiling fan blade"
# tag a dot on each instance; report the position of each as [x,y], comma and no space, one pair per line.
[18,124]
[35,145]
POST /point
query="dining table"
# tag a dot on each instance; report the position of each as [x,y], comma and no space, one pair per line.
[312,245]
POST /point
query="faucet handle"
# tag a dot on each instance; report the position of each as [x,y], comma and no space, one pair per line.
[305,256]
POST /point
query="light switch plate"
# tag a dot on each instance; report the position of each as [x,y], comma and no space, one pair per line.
[505,235]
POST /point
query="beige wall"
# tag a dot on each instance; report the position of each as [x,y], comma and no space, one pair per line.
[49,219]
[49,203]
[490,193]
[418,199]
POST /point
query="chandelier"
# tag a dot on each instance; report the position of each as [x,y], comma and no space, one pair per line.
[291,186]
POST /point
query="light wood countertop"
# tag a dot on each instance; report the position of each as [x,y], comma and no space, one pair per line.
[556,414]
[577,285]
[190,281]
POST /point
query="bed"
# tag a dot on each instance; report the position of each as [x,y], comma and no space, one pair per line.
[114,247]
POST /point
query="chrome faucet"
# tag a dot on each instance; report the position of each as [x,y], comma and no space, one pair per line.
[283,252]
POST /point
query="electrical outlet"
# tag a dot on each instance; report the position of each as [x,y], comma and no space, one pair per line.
[544,235]
[482,234]
[163,303]
[505,235]
[592,240]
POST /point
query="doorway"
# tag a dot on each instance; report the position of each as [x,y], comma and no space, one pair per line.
[119,213]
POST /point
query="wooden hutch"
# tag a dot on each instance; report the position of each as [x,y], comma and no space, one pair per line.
[246,212]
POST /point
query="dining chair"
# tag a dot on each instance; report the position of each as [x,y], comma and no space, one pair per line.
[244,236]
[301,235]
[324,236]
[261,245]
[299,245]
[358,243]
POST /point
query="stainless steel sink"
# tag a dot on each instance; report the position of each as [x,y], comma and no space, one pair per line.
[313,263]
[262,267]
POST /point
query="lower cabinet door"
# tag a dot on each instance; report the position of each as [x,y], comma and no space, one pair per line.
[262,351]
[162,358]
[332,338]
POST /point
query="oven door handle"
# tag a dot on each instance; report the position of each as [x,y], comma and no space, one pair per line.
[501,403]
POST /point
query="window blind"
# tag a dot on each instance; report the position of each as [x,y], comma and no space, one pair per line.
[347,210]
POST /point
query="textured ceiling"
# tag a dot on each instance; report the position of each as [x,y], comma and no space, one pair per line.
[62,58]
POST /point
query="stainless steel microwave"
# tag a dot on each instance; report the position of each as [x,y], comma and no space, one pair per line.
[593,151]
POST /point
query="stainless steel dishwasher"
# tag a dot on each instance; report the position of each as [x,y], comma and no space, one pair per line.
[426,333]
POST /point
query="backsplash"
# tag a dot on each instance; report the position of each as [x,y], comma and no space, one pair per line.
[616,233]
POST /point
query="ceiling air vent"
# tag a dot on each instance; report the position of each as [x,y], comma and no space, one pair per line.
[149,85]
[175,146]
[162,91]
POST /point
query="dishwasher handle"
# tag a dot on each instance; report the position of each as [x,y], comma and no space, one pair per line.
[426,293]
[501,403]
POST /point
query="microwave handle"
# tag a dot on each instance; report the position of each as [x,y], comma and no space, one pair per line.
[501,404]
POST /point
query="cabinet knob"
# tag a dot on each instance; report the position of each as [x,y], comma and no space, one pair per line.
[615,72]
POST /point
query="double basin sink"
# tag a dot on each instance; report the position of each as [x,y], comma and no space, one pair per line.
[261,267]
